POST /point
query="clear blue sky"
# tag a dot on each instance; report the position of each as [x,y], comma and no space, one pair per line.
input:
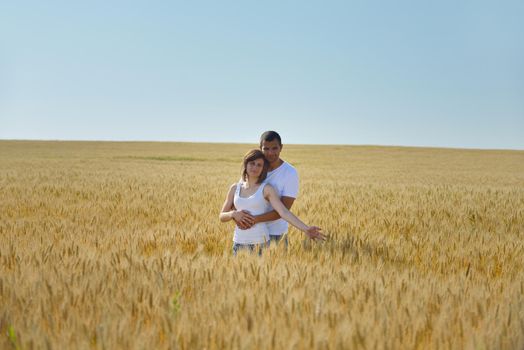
[415,73]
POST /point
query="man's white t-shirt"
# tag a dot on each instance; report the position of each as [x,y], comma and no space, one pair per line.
[285,181]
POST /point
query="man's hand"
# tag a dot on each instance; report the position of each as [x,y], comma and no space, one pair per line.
[314,233]
[243,219]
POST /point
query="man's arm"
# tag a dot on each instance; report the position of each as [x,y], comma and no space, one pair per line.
[243,219]
[273,215]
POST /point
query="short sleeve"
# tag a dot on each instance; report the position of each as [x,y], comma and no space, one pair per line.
[291,184]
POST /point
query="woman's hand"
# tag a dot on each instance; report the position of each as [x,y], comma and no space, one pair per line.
[315,233]
[243,219]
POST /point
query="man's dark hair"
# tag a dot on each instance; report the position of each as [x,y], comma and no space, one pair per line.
[270,136]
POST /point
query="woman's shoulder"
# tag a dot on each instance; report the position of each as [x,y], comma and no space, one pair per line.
[233,187]
[267,187]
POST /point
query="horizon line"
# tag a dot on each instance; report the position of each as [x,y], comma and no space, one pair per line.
[284,143]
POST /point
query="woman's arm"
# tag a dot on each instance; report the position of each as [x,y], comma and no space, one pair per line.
[273,215]
[271,195]
[226,214]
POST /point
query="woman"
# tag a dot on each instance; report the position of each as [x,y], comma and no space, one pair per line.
[253,195]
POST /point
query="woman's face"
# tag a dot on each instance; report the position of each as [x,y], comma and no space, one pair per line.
[254,168]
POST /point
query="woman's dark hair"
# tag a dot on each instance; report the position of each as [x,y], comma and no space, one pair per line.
[250,156]
[270,136]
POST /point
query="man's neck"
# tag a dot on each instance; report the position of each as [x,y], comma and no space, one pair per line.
[275,164]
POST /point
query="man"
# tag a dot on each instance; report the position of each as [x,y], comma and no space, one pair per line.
[284,178]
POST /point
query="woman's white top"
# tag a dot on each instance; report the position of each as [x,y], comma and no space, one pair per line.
[255,204]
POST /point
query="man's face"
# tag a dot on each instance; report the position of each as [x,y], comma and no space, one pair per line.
[271,150]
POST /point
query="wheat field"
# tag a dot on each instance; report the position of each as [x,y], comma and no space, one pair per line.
[117,245]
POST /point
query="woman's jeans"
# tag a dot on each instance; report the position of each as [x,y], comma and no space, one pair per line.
[252,248]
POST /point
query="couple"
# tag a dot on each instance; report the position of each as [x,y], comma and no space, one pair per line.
[260,202]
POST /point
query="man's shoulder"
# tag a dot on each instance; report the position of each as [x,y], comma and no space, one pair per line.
[290,169]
